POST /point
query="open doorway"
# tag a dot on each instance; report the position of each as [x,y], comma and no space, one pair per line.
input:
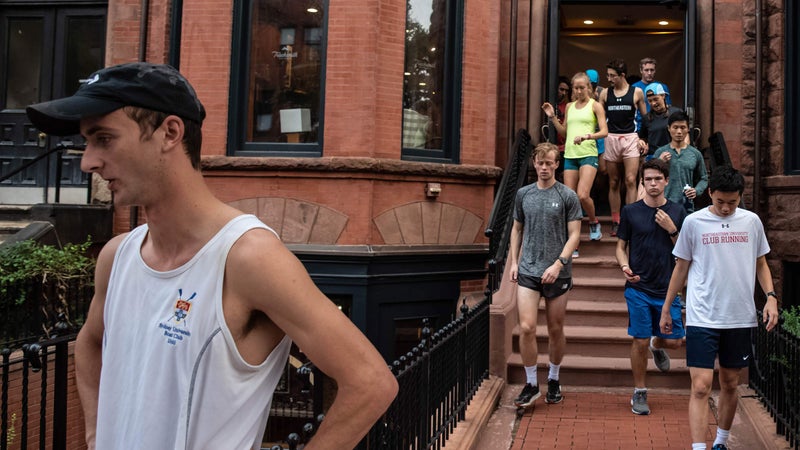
[587,34]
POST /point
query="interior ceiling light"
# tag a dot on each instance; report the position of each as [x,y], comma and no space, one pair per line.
[663,22]
[588,22]
[312,10]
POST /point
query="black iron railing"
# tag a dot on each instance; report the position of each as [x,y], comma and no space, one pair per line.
[34,395]
[775,376]
[501,218]
[438,378]
[59,150]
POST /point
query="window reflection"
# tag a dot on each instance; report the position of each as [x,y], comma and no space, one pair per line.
[285,71]
[424,74]
[25,48]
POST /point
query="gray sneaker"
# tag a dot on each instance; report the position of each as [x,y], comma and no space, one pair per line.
[639,403]
[660,357]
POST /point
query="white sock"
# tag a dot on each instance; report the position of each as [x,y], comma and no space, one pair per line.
[530,373]
[554,369]
[698,446]
[637,390]
[722,436]
[652,339]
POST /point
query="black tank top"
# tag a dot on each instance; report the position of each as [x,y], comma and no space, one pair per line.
[620,111]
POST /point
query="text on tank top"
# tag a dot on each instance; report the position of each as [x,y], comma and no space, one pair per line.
[621,112]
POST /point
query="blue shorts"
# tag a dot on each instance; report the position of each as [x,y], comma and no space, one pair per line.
[576,163]
[733,345]
[601,146]
[644,315]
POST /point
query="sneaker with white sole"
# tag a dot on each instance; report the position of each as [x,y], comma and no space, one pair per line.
[528,395]
[595,234]
[660,357]
[553,392]
[639,403]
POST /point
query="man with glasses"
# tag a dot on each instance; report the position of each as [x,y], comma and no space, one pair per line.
[622,151]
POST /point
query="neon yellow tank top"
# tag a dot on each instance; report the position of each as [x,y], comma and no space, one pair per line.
[580,122]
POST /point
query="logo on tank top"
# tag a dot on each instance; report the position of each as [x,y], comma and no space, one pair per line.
[174,327]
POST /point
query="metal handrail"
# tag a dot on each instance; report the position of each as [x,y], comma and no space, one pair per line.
[59,149]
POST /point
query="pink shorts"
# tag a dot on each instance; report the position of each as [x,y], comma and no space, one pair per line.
[621,146]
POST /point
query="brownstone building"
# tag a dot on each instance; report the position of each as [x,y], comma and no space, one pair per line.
[371,135]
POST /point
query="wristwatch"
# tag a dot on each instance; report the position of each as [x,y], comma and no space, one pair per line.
[772,294]
[563,260]
[674,233]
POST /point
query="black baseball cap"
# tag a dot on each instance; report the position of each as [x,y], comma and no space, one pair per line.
[158,87]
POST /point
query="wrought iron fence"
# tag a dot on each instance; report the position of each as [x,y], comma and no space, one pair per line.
[34,395]
[775,377]
[32,308]
[437,380]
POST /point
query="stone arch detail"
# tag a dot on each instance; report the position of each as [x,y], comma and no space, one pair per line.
[428,223]
[296,221]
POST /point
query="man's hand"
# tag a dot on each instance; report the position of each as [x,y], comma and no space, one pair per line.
[770,314]
[551,274]
[665,221]
[629,275]
[666,156]
[513,271]
[666,321]
[690,193]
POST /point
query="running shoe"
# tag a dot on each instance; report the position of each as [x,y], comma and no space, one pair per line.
[594,231]
[553,392]
[639,403]
[528,395]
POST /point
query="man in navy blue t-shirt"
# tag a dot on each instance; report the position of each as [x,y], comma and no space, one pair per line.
[647,233]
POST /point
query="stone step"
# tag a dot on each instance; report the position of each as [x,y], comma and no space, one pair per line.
[9,228]
[579,370]
[612,342]
[591,313]
[596,267]
[15,212]
[606,289]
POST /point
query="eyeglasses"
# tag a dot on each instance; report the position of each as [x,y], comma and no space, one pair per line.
[563,90]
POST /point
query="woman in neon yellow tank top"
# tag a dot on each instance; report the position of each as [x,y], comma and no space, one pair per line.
[584,123]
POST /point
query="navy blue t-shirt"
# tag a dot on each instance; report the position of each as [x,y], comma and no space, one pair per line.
[649,245]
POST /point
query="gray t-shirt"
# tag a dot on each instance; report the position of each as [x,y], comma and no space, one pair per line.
[544,214]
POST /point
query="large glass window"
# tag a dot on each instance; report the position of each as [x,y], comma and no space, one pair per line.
[431,80]
[277,102]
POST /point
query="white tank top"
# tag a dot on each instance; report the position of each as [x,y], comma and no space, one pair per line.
[172,377]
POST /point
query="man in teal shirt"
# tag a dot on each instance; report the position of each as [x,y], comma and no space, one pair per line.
[687,169]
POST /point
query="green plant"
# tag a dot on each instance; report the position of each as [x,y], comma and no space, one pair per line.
[791,320]
[30,271]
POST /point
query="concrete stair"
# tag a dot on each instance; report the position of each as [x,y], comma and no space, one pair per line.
[13,218]
[596,327]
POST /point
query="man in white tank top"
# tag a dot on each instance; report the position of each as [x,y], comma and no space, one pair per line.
[180,350]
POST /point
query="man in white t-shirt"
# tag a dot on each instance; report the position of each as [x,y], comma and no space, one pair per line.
[721,250]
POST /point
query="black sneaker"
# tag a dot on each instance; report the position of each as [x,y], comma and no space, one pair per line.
[719,447]
[528,395]
[553,392]
[614,226]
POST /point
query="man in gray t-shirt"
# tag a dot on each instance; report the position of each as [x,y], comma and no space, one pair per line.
[547,224]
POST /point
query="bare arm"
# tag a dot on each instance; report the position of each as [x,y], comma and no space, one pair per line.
[515,246]
[602,126]
[551,273]
[770,313]
[88,346]
[550,112]
[641,103]
[676,283]
[622,260]
[265,276]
